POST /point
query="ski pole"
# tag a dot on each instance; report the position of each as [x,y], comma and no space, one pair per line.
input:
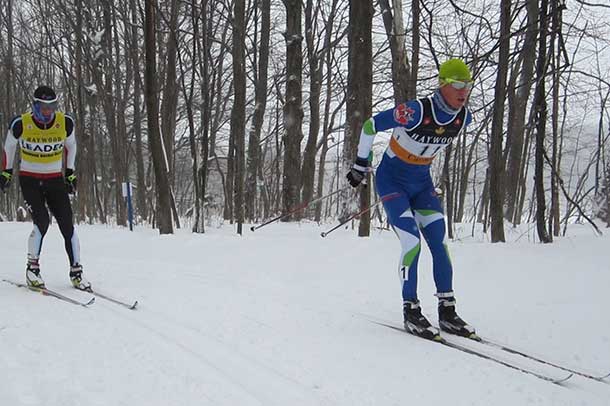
[298,208]
[353,216]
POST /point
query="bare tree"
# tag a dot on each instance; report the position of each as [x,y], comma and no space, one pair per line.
[170,98]
[142,207]
[93,53]
[293,109]
[395,31]
[315,58]
[359,90]
[238,113]
[540,105]
[260,105]
[163,212]
[518,98]
[496,163]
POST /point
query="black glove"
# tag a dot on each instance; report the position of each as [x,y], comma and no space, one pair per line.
[358,172]
[5,179]
[70,180]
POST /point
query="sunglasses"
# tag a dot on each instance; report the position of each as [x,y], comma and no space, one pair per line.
[458,84]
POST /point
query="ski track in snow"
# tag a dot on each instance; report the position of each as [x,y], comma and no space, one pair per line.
[244,372]
[283,317]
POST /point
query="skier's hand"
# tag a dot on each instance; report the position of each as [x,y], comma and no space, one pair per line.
[70,180]
[358,172]
[5,179]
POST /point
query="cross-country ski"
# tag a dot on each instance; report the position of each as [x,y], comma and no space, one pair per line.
[48,292]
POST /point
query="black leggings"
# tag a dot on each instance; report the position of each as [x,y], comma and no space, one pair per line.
[52,193]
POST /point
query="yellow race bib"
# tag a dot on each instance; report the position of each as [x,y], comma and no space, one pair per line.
[42,146]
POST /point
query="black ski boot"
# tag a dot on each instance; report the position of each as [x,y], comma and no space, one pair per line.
[417,324]
[77,279]
[449,321]
[32,274]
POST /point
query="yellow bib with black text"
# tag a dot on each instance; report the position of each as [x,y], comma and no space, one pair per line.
[42,146]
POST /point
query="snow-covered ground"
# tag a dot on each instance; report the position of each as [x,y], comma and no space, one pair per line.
[284,317]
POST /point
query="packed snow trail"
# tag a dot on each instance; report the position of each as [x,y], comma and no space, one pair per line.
[275,318]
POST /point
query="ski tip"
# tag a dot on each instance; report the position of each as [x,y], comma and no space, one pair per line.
[439,339]
[603,378]
[90,302]
[134,305]
[563,380]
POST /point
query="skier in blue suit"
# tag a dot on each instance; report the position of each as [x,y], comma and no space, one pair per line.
[422,128]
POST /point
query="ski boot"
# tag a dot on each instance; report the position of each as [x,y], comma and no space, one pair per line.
[76,277]
[417,324]
[448,319]
[32,274]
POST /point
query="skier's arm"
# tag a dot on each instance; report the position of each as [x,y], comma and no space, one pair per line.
[10,144]
[70,144]
[367,136]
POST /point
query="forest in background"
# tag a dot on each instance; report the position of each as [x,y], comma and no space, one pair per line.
[239,110]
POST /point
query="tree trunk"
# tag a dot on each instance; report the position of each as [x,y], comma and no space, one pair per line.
[314,60]
[260,105]
[328,124]
[163,212]
[238,113]
[395,31]
[541,109]
[85,201]
[554,221]
[206,113]
[228,211]
[359,91]
[415,18]
[496,163]
[188,91]
[293,109]
[517,113]
[170,101]
[109,98]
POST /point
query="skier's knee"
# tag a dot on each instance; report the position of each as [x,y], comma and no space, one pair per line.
[67,231]
[42,224]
